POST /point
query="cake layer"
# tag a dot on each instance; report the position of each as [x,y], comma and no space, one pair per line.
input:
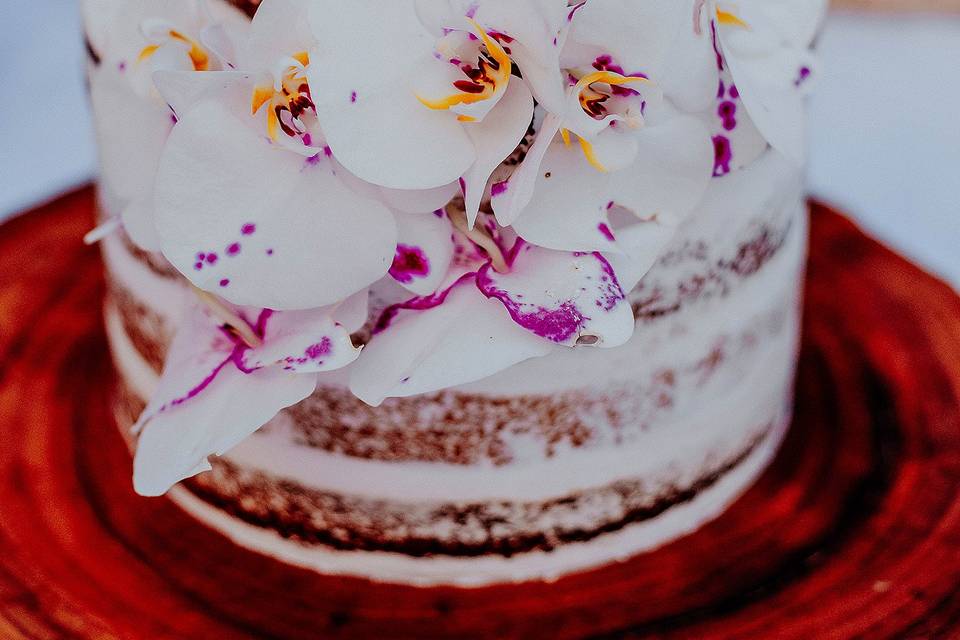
[552,406]
[683,444]
[437,522]
[431,524]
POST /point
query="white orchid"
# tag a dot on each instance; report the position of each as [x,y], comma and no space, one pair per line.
[251,201]
[229,371]
[418,95]
[633,149]
[132,39]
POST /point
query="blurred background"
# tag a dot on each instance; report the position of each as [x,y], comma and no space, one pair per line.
[884,131]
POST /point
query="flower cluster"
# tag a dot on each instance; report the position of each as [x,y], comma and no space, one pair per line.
[500,173]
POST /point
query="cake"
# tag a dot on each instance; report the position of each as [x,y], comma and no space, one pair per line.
[452,292]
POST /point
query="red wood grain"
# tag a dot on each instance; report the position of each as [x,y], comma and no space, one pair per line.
[854,531]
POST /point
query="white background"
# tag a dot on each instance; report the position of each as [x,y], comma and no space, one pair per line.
[884,134]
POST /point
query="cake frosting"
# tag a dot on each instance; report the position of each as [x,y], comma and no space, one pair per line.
[502,319]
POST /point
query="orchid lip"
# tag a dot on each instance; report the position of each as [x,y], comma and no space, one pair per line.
[199,56]
[592,102]
[490,77]
[287,99]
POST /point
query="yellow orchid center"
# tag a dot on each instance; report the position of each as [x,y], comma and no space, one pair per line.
[198,55]
[730,19]
[592,101]
[288,98]
[490,76]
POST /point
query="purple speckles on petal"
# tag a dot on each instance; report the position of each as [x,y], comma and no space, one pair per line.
[269,252]
[353,97]
[604,229]
[122,66]
[409,263]
[319,350]
[212,258]
[233,249]
[463,187]
[248,229]
[198,266]
[559,296]
[313,161]
[559,324]
[727,111]
[499,188]
[225,282]
[802,76]
[420,303]
[723,155]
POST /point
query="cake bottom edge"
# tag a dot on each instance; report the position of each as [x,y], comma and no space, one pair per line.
[694,506]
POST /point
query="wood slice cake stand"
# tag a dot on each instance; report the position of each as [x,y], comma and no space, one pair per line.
[853,532]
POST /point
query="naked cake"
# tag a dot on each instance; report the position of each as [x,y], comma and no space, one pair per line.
[452,291]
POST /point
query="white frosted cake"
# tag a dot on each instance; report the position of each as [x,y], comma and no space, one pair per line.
[449,291]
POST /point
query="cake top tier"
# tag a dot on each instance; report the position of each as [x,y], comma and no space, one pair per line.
[499,174]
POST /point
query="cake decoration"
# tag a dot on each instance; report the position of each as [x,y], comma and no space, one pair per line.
[492,178]
[233,369]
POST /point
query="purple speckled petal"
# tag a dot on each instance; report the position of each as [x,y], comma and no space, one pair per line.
[302,342]
[764,60]
[567,298]
[737,141]
[204,404]
[424,252]
[464,339]
[199,353]
[316,241]
[454,279]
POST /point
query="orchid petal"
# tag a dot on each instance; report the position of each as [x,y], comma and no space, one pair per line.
[184,89]
[569,209]
[302,342]
[200,351]
[131,132]
[424,251]
[494,139]
[641,244]
[798,21]
[279,30]
[774,102]
[566,298]
[672,170]
[689,73]
[373,121]
[637,35]
[175,445]
[353,312]
[462,340]
[138,222]
[419,201]
[285,233]
[511,197]
[736,139]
